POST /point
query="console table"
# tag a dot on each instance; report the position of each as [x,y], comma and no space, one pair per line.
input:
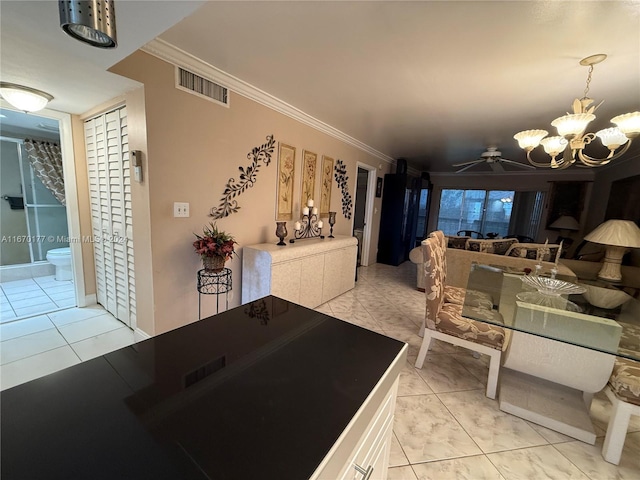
[309,272]
[268,390]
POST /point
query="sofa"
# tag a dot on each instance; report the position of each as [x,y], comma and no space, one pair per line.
[511,253]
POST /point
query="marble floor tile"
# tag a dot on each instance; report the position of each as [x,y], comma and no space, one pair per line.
[36,309]
[20,292]
[30,301]
[588,458]
[477,467]
[26,326]
[28,345]
[407,335]
[427,431]
[58,288]
[83,329]
[551,436]
[536,463]
[104,343]
[411,383]
[401,473]
[492,429]
[397,458]
[64,317]
[444,374]
[36,366]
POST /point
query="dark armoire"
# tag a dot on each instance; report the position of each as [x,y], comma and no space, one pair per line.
[399,215]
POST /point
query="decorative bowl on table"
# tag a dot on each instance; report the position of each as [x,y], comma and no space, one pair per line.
[552,286]
[607,298]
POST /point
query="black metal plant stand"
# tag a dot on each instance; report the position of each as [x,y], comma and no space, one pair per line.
[214,283]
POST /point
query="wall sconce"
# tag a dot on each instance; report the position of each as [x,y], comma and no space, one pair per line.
[24,98]
[92,21]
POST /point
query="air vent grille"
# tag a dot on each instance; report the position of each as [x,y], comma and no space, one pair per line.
[201,86]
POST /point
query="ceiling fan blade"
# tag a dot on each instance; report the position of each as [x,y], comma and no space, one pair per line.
[518,164]
[469,165]
[472,162]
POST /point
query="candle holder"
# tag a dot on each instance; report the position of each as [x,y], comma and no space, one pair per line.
[332,222]
[281,232]
[309,225]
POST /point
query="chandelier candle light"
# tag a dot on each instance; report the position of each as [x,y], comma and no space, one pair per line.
[572,138]
[310,226]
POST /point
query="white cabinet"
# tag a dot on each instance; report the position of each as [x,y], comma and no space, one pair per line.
[364,446]
[308,272]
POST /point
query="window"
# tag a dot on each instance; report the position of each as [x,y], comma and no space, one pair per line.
[488,211]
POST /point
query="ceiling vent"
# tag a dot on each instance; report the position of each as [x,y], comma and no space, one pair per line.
[192,83]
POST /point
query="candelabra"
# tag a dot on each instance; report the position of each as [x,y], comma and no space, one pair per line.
[309,226]
[332,222]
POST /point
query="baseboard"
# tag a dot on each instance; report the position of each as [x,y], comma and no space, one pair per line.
[140,335]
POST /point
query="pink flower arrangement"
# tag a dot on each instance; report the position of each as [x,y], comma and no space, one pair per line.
[214,242]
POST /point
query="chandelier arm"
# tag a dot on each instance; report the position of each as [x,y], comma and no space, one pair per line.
[537,164]
[596,162]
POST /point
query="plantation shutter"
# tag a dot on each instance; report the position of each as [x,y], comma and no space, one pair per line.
[109,172]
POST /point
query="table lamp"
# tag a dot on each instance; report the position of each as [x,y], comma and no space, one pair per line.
[617,236]
[565,224]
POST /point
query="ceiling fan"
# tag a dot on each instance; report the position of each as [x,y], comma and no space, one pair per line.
[493,157]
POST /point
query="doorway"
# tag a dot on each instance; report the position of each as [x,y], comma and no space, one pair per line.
[37,215]
[363,211]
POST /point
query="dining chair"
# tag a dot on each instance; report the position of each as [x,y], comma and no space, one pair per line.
[623,390]
[444,321]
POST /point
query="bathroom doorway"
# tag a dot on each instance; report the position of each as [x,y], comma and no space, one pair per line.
[363,211]
[37,263]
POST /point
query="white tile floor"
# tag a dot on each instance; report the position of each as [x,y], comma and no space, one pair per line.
[36,346]
[445,427]
[32,296]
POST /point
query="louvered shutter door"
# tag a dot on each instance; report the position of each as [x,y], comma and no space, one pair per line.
[111,215]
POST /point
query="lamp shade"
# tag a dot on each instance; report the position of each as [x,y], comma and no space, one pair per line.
[621,233]
[566,222]
[24,98]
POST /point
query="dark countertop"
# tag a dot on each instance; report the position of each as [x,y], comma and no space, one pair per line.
[261,391]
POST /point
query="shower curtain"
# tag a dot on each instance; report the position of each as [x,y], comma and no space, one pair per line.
[46,160]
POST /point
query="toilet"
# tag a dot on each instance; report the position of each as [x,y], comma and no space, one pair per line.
[61,259]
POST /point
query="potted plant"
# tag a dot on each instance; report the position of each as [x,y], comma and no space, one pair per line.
[215,247]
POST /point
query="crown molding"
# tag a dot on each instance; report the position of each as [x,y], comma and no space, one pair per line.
[178,57]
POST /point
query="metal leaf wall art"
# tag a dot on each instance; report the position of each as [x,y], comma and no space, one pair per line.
[340,174]
[248,176]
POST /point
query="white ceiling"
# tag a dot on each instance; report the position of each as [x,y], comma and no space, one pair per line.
[434,82]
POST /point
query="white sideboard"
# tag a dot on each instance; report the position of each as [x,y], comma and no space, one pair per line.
[308,272]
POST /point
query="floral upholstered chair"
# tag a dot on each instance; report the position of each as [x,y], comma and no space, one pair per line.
[459,295]
[444,321]
[623,390]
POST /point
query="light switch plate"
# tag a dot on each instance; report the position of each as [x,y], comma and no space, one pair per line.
[180,209]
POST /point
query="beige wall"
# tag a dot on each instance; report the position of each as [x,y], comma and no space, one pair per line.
[193,147]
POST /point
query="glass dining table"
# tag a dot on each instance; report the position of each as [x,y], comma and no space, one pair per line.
[563,338]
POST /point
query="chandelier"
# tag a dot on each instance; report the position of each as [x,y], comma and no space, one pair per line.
[572,139]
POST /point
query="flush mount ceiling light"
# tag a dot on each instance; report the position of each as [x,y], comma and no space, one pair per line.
[24,98]
[572,138]
[92,22]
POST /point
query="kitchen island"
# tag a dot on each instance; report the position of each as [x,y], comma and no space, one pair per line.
[269,389]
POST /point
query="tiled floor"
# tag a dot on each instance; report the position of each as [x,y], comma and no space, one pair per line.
[23,298]
[445,427]
[43,344]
